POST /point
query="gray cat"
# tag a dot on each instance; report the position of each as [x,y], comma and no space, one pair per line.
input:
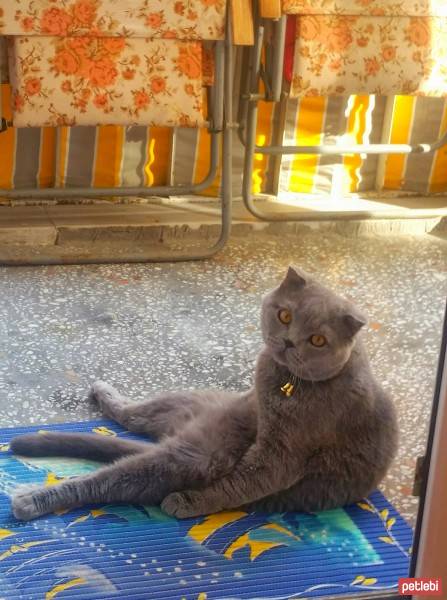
[315,432]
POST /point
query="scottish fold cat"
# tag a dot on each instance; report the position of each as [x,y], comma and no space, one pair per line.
[316,430]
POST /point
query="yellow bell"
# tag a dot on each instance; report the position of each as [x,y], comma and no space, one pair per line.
[287,389]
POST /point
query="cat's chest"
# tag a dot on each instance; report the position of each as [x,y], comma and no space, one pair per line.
[303,409]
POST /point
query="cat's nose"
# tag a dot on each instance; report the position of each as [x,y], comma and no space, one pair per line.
[289,344]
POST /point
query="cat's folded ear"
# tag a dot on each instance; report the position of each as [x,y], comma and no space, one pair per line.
[353,321]
[294,279]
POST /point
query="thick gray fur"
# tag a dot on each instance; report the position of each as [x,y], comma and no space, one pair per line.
[327,445]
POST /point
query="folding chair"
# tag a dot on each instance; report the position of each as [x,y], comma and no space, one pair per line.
[341,47]
[90,62]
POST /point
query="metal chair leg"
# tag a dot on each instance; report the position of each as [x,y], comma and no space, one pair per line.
[247,134]
[223,137]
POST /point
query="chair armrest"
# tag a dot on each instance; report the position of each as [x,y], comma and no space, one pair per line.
[242,22]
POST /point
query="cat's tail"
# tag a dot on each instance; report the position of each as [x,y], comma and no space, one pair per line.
[76,445]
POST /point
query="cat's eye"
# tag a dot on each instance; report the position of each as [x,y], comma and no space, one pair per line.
[318,341]
[285,316]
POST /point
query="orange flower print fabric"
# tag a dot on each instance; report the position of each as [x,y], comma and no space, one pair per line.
[91,81]
[181,19]
[375,8]
[338,55]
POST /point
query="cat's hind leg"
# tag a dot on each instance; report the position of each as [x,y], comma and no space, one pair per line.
[143,478]
[76,445]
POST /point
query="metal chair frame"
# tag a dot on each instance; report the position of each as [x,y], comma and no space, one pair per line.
[220,128]
[272,77]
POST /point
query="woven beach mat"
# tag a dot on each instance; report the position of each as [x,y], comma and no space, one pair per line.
[138,553]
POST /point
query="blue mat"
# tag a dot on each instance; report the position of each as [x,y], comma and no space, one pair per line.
[137,552]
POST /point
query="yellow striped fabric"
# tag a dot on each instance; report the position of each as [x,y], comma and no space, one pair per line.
[7,143]
[401,124]
[158,155]
[202,163]
[438,177]
[356,128]
[141,155]
[46,175]
[308,132]
[263,138]
[306,173]
[108,154]
[62,142]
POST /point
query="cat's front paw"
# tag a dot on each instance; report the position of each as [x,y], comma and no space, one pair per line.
[179,505]
[23,503]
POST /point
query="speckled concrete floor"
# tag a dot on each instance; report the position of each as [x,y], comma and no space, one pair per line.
[146,328]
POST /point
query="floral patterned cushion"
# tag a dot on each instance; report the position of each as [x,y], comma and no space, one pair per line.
[403,8]
[383,55]
[105,80]
[182,19]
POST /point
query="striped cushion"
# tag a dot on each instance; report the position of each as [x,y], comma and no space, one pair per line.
[109,155]
[359,120]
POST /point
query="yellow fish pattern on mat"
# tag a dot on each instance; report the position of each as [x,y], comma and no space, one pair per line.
[103,431]
[60,587]
[214,523]
[15,548]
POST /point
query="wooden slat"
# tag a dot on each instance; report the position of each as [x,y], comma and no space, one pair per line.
[242,21]
[270,9]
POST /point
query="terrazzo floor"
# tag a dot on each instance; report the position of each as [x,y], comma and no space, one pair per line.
[145,328]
